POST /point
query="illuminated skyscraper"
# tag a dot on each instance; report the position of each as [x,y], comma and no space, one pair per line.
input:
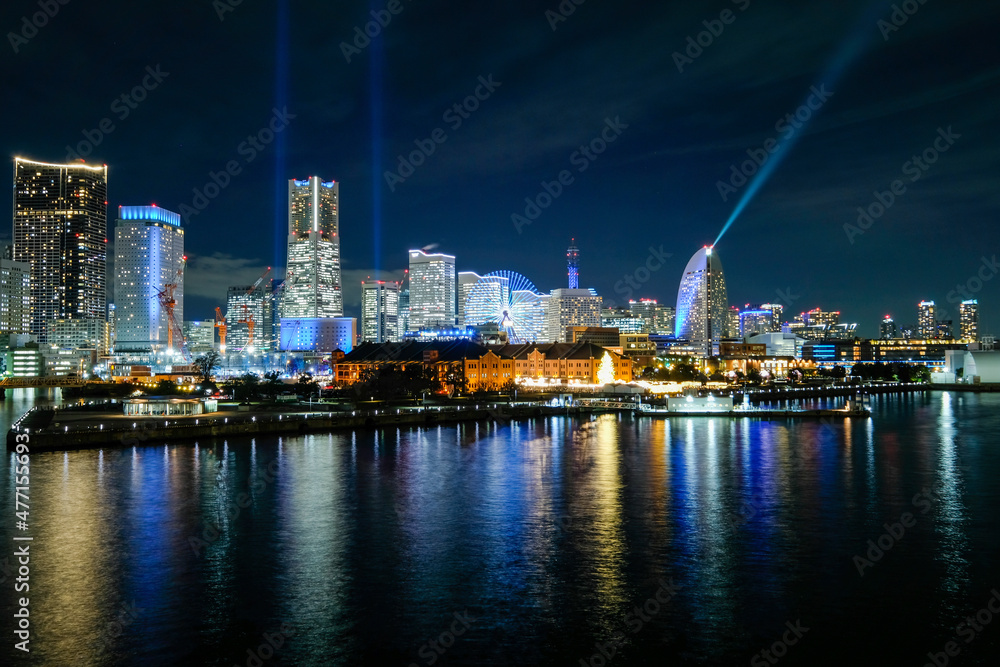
[149,254]
[926,320]
[702,307]
[968,312]
[573,264]
[432,291]
[246,304]
[466,281]
[380,312]
[60,231]
[313,280]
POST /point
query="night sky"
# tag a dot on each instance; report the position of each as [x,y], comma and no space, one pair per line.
[676,136]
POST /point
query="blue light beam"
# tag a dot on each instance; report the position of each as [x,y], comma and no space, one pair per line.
[376,95]
[849,52]
[280,151]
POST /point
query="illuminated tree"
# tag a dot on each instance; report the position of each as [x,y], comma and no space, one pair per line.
[606,373]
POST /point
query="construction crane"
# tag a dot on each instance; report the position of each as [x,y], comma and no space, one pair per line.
[167,303]
[247,316]
[220,324]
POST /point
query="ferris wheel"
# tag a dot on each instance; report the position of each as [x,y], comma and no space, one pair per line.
[509,300]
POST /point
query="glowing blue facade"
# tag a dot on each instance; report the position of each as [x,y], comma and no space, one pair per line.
[702,305]
[573,265]
[318,334]
[149,214]
[149,254]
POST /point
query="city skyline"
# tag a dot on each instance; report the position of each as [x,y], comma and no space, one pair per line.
[660,178]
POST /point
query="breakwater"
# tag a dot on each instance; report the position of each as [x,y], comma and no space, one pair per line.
[114,430]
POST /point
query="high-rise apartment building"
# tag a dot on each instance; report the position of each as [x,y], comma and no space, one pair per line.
[968,313]
[60,231]
[887,330]
[92,333]
[571,308]
[432,291]
[926,320]
[15,294]
[380,312]
[818,317]
[733,322]
[313,278]
[149,257]
[702,307]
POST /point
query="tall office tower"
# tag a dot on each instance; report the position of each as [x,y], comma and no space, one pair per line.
[571,308]
[926,320]
[246,311]
[149,256]
[379,312]
[466,281]
[702,307]
[432,291]
[887,329]
[15,294]
[573,264]
[269,334]
[61,231]
[312,281]
[404,311]
[755,319]
[968,313]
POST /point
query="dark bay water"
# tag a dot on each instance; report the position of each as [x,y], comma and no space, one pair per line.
[696,541]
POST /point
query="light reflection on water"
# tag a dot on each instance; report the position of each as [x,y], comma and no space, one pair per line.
[548,532]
